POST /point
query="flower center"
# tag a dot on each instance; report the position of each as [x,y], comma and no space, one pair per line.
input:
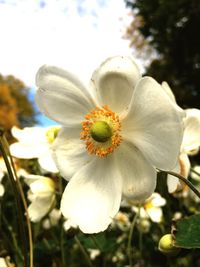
[101,131]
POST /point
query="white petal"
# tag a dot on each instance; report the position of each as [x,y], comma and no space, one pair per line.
[155,214]
[27,135]
[194,175]
[43,187]
[114,82]
[168,91]
[47,163]
[92,197]
[27,151]
[3,262]
[69,152]
[191,137]
[139,177]
[154,125]
[40,207]
[172,182]
[61,96]
[157,200]
[2,190]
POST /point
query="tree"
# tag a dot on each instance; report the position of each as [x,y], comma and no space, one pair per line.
[171,28]
[15,106]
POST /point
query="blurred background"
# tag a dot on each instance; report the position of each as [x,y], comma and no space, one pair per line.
[162,35]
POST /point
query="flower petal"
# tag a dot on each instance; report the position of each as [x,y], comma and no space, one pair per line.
[27,151]
[61,96]
[47,163]
[92,197]
[168,91]
[191,137]
[139,177]
[69,152]
[154,125]
[114,82]
[155,214]
[40,207]
[27,135]
[173,183]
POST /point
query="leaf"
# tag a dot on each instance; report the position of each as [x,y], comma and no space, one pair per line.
[186,232]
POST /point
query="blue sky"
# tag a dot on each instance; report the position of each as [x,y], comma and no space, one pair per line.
[75,35]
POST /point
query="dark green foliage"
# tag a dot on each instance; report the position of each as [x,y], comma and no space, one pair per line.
[187,232]
[173,30]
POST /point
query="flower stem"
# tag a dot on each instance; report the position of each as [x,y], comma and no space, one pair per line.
[23,201]
[17,198]
[83,251]
[197,173]
[130,237]
[186,181]
[62,250]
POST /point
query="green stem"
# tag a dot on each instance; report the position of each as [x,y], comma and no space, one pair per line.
[186,181]
[140,235]
[130,238]
[18,200]
[19,257]
[87,258]
[6,145]
[62,247]
[197,173]
[93,238]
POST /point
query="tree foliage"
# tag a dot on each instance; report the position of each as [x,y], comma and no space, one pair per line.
[171,28]
[15,106]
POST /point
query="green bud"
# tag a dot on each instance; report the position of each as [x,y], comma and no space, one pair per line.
[166,246]
[101,131]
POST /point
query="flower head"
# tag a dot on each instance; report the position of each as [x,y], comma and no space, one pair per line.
[152,208]
[41,196]
[115,132]
[190,143]
[35,142]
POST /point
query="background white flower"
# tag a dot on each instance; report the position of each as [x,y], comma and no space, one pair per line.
[35,142]
[114,135]
[41,195]
[152,208]
[190,143]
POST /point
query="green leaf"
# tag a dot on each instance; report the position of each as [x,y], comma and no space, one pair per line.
[186,232]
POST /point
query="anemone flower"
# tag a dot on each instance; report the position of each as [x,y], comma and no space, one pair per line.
[152,208]
[115,133]
[190,143]
[35,142]
[41,195]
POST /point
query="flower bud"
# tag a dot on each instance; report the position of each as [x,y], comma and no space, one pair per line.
[166,246]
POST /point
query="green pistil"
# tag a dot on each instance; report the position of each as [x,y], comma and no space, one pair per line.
[101,131]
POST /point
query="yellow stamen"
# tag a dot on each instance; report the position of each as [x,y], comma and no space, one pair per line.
[101,131]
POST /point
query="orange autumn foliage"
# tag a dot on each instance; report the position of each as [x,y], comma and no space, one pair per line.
[8,108]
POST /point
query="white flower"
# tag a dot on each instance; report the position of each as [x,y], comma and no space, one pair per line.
[152,208]
[114,135]
[41,195]
[35,142]
[121,220]
[53,219]
[191,137]
[190,143]
[94,253]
